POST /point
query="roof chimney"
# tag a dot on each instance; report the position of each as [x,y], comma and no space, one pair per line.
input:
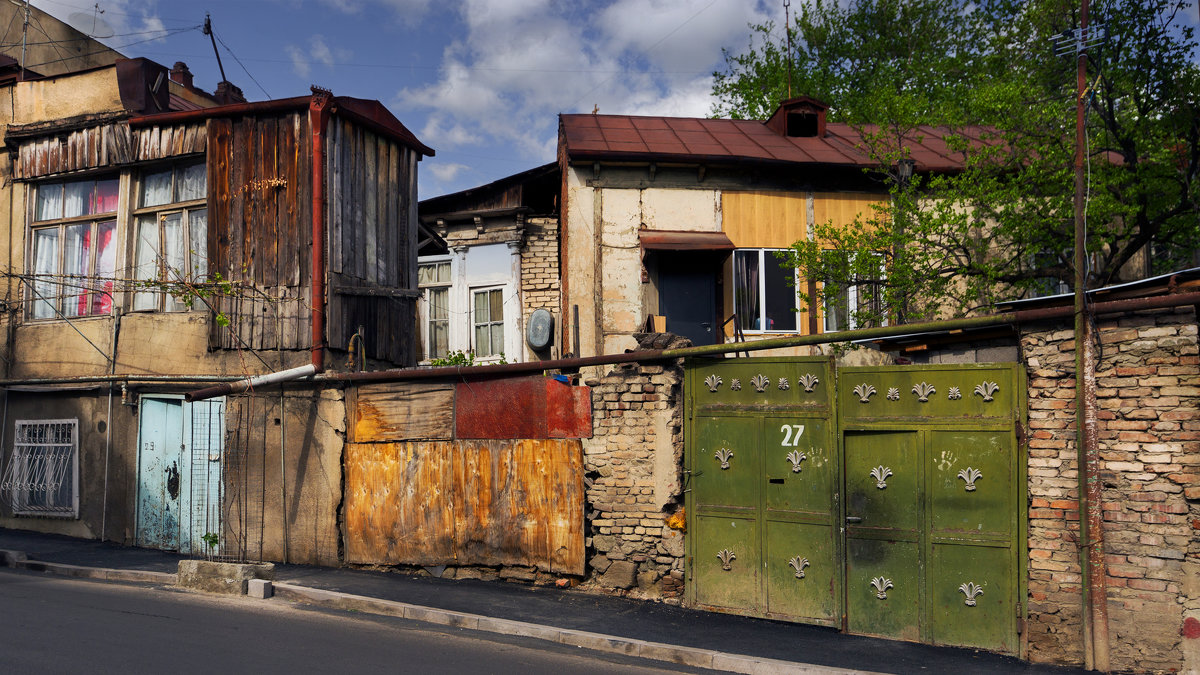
[228,92]
[800,117]
[181,75]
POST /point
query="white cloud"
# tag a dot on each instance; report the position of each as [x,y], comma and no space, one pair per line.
[446,172]
[318,52]
[521,62]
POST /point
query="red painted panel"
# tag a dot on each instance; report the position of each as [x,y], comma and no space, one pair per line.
[522,407]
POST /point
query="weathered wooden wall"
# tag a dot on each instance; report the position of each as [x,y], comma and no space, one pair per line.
[104,145]
[400,411]
[259,228]
[495,503]
[372,241]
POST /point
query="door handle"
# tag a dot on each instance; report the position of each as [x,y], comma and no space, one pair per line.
[853,519]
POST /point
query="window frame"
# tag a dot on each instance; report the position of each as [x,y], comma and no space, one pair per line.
[16,482]
[427,320]
[761,292]
[491,322]
[89,281]
[164,301]
[853,293]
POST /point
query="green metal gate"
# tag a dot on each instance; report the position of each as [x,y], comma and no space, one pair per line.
[929,539]
[762,500]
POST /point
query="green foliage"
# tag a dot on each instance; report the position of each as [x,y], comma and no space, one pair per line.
[211,539]
[1003,227]
[461,358]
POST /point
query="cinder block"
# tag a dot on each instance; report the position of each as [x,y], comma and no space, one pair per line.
[259,588]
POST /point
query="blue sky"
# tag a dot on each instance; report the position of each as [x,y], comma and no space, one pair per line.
[480,81]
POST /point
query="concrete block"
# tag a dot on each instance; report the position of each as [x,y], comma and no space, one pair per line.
[259,588]
[219,577]
[621,574]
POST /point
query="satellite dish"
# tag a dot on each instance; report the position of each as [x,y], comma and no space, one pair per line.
[91,25]
[539,330]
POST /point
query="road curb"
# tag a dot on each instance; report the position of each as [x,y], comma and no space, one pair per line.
[19,560]
[688,656]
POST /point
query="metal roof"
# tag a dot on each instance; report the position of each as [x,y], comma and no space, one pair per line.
[692,139]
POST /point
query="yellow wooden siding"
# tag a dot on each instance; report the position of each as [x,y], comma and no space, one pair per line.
[764,219]
[843,207]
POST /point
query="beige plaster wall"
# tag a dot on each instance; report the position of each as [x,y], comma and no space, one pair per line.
[58,98]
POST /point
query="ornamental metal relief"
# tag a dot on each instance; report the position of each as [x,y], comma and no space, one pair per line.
[783,384]
[881,585]
[893,394]
[955,394]
[865,392]
[986,389]
[970,475]
[798,564]
[972,591]
[726,557]
[735,385]
[723,456]
[795,457]
[713,381]
[923,391]
[880,474]
[760,382]
[808,381]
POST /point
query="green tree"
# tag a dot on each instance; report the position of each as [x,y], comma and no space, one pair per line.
[986,71]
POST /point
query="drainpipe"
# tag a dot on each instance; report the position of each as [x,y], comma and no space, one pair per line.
[318,117]
[226,388]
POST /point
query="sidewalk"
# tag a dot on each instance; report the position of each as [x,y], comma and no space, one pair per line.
[649,629]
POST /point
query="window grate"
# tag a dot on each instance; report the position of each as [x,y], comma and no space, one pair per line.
[42,475]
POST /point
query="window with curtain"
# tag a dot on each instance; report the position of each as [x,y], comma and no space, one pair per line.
[170,237]
[849,305]
[73,248]
[434,280]
[488,318]
[764,292]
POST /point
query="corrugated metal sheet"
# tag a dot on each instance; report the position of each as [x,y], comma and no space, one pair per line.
[497,502]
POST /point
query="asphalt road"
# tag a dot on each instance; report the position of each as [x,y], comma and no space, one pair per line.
[54,625]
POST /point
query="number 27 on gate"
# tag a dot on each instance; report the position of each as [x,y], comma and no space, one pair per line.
[791,434]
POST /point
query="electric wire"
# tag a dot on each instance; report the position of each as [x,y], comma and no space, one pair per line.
[239,62]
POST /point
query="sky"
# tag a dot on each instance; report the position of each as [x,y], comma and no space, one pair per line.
[480,81]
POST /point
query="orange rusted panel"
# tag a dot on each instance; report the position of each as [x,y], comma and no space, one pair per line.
[474,502]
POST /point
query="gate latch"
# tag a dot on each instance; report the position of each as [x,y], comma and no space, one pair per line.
[853,519]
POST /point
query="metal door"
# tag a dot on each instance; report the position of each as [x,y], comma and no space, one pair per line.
[761,501]
[162,473]
[934,518]
[687,295]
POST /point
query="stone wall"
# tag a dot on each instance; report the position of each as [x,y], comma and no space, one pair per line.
[539,275]
[1148,393]
[634,497]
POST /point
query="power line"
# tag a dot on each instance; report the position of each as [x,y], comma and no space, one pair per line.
[239,62]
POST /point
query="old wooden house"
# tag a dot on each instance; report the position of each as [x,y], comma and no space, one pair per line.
[159,238]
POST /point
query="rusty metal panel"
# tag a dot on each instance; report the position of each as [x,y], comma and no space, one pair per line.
[402,411]
[493,503]
[525,407]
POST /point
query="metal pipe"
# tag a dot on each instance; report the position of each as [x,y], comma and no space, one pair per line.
[1010,318]
[318,116]
[122,379]
[225,388]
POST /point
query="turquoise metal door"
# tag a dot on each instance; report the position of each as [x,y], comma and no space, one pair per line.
[761,501]
[162,473]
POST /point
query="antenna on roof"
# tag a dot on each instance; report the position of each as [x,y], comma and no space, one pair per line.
[787,28]
[208,31]
[595,108]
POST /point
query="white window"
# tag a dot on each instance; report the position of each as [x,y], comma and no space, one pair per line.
[435,280]
[848,306]
[171,231]
[72,248]
[42,476]
[488,318]
[765,296]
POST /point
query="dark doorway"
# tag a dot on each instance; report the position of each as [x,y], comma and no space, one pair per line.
[687,295]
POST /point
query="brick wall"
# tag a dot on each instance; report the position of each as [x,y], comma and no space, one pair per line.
[539,272]
[633,463]
[1148,394]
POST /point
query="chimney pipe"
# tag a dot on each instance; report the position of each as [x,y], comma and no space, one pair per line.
[181,75]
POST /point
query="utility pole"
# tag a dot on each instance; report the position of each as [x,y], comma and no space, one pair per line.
[1091,515]
[24,38]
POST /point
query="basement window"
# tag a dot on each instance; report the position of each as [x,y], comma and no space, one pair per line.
[42,475]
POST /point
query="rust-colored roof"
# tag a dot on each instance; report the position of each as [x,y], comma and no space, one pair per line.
[693,139]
